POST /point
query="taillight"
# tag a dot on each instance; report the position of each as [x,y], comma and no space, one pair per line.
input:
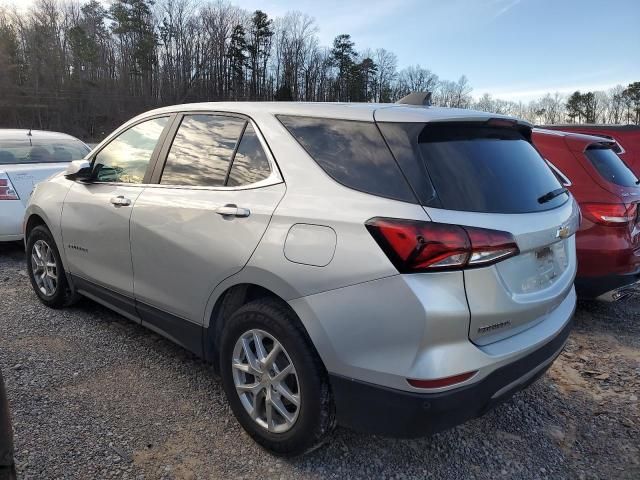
[7,192]
[415,246]
[611,214]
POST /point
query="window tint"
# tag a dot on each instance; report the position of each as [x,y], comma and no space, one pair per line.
[478,168]
[611,167]
[250,165]
[486,169]
[201,150]
[125,158]
[353,153]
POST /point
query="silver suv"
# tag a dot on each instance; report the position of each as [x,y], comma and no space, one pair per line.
[396,269]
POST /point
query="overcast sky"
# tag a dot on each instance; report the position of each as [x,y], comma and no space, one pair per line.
[513,49]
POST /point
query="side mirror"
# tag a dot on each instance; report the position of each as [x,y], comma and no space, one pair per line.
[78,170]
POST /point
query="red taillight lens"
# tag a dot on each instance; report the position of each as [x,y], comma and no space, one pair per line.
[414,246]
[7,192]
[611,214]
[441,382]
[490,246]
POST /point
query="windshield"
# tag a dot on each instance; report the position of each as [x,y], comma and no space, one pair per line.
[611,167]
[41,151]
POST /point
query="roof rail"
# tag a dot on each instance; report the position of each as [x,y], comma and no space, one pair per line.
[417,98]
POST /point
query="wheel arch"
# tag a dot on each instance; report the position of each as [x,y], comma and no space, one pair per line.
[228,300]
[36,216]
[33,221]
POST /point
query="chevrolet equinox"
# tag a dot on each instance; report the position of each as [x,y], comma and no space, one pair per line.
[397,269]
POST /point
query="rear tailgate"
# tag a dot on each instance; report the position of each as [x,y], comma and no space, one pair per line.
[25,176]
[517,293]
[488,175]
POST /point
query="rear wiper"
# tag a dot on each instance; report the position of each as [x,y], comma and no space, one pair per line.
[552,194]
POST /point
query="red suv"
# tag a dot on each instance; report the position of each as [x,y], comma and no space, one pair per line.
[626,137]
[608,242]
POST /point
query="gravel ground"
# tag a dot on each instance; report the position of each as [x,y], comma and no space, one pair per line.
[95,396]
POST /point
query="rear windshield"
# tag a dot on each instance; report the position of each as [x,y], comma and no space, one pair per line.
[41,151]
[611,167]
[479,168]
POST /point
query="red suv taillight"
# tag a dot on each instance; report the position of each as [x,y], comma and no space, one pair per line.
[7,192]
[611,214]
[415,246]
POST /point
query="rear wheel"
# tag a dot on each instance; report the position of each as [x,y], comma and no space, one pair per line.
[45,269]
[274,380]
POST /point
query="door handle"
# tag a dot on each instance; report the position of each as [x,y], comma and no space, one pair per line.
[120,201]
[231,210]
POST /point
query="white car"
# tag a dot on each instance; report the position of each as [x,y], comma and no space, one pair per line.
[26,158]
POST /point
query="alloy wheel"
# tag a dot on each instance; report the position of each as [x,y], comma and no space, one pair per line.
[266,381]
[44,268]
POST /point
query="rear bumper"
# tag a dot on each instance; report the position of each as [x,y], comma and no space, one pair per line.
[606,287]
[385,411]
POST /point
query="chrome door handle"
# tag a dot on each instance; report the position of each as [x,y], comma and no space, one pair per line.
[231,210]
[120,201]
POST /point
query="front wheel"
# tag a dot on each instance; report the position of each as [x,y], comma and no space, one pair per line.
[274,380]
[45,269]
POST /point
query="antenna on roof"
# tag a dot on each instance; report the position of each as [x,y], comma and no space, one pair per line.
[417,98]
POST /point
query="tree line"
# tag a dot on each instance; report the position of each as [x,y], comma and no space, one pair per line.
[84,68]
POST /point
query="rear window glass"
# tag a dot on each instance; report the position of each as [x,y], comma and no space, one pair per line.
[479,168]
[611,167]
[41,151]
[353,153]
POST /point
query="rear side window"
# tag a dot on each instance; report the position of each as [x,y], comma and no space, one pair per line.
[353,153]
[201,150]
[250,164]
[611,167]
[479,168]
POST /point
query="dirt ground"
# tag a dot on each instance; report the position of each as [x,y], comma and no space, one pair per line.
[95,396]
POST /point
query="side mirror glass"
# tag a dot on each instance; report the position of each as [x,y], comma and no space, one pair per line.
[78,170]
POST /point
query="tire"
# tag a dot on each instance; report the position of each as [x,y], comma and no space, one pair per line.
[61,295]
[314,416]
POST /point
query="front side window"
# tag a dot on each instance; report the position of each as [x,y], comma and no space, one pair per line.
[125,158]
[250,164]
[201,150]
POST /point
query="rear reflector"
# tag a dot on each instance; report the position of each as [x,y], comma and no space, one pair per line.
[415,246]
[441,382]
[612,214]
[7,192]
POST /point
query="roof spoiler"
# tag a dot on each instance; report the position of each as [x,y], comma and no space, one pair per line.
[417,98]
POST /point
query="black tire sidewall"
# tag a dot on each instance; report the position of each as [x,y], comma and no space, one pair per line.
[60,297]
[308,429]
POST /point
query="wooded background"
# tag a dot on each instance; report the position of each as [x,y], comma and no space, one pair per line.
[83,68]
